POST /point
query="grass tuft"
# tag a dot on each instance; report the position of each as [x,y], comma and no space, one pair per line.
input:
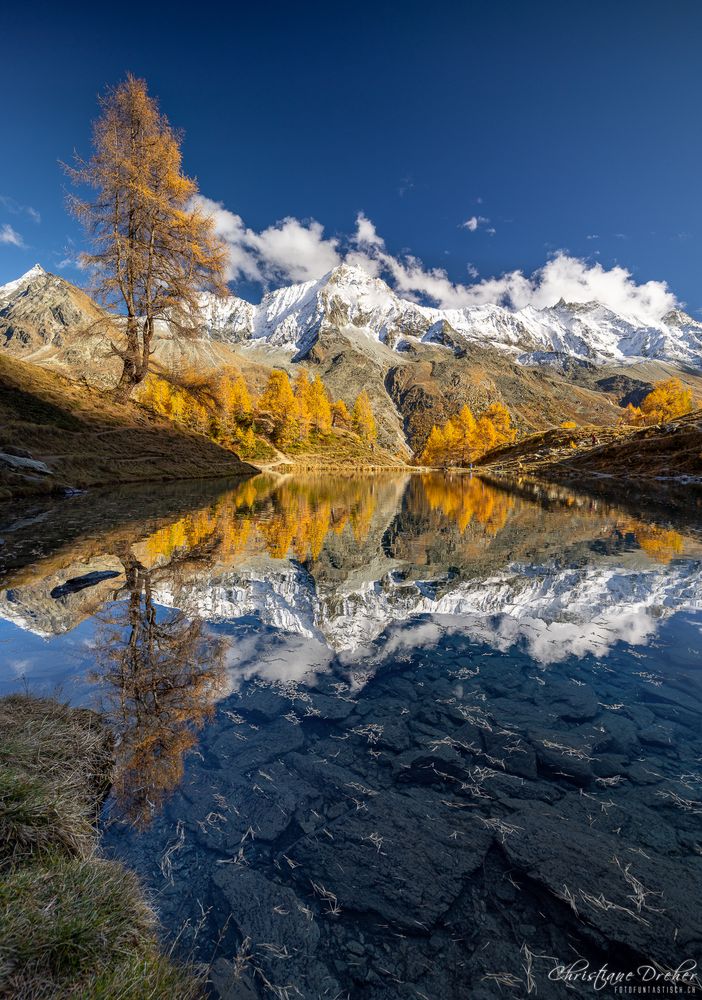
[71,924]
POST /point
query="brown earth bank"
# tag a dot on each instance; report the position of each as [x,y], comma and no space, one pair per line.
[83,438]
[669,451]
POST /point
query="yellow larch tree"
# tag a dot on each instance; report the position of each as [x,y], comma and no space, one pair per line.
[152,251]
[668,399]
[363,420]
[320,407]
[501,420]
[303,397]
[434,450]
[340,415]
[279,400]
[233,397]
[465,423]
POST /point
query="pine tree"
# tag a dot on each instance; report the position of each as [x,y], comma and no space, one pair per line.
[152,253]
[363,420]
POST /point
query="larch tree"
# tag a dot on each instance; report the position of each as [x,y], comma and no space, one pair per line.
[363,420]
[501,420]
[152,252]
[279,400]
[233,397]
[340,415]
[668,399]
[320,407]
[434,450]
[304,401]
[465,422]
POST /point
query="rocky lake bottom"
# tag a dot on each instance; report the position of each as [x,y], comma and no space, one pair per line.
[400,737]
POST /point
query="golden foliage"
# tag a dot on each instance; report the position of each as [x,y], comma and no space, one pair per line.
[233,398]
[462,439]
[666,400]
[152,252]
[363,420]
[340,415]
[661,544]
[288,414]
[296,518]
[279,401]
[162,676]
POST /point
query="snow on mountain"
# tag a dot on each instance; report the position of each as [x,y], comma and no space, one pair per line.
[362,307]
[350,300]
[19,284]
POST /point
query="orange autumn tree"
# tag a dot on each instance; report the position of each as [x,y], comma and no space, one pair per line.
[304,403]
[462,439]
[152,253]
[666,400]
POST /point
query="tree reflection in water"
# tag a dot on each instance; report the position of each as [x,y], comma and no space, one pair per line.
[162,672]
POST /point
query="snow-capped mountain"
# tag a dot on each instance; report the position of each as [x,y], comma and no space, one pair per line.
[351,301]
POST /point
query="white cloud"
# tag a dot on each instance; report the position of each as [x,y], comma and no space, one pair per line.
[474,222]
[10,236]
[366,234]
[290,250]
[563,276]
[293,251]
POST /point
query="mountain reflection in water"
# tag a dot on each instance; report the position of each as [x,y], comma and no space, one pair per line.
[383,736]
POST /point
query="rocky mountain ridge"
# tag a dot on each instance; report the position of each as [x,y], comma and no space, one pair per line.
[419,364]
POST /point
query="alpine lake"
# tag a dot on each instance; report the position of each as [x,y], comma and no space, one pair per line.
[389,736]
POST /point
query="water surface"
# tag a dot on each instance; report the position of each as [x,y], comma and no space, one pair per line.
[383,737]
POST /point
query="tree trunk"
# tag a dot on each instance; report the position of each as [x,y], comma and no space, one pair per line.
[130,363]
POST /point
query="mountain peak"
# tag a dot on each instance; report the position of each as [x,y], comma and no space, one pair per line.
[19,283]
[34,272]
[346,273]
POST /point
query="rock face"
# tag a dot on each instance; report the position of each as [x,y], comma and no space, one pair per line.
[40,312]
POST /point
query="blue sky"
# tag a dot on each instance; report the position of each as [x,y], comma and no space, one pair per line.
[555,126]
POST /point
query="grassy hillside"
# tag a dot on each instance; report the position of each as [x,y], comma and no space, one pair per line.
[85,439]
